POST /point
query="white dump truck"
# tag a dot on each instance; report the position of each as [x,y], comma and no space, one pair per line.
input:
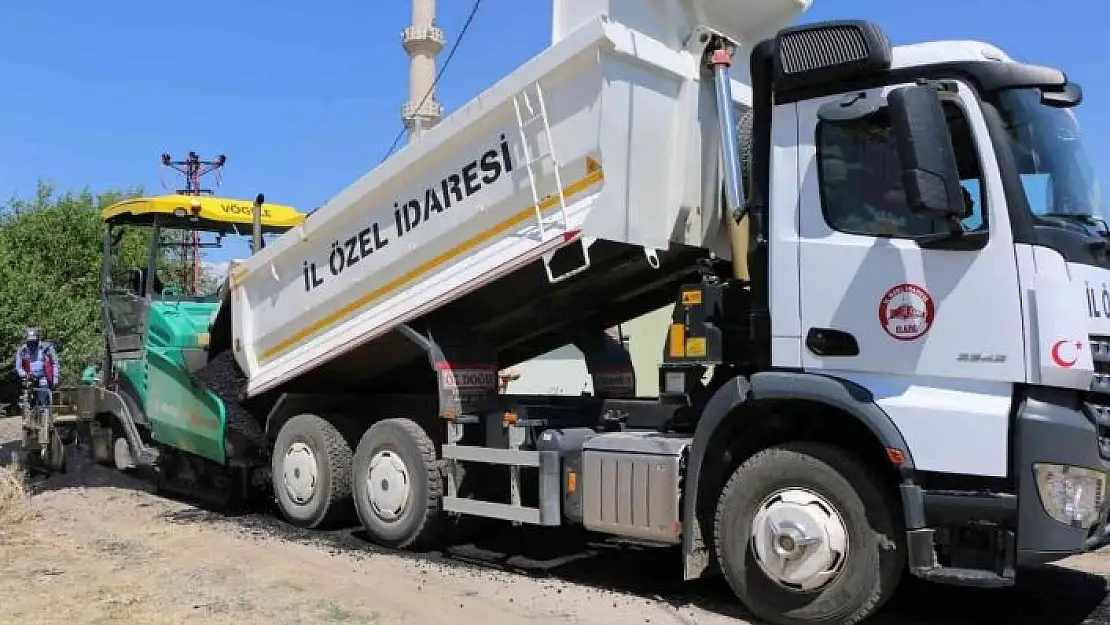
[890,342]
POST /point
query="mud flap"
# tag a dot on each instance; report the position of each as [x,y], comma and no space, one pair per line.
[466,370]
[609,365]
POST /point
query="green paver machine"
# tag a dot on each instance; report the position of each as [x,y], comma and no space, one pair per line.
[150,405]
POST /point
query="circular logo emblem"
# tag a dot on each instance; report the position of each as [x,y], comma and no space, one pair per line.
[906,312]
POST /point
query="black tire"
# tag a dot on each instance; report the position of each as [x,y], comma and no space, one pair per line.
[331,497]
[876,553]
[419,523]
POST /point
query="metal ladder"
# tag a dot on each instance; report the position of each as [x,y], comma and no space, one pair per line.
[530,110]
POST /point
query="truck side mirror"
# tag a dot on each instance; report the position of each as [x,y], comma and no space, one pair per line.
[930,177]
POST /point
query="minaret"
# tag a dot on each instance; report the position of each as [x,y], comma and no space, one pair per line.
[422,42]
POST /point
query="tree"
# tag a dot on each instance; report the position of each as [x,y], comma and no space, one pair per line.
[50,259]
[175,268]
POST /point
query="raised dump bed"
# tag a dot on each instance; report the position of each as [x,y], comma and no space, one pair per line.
[593,149]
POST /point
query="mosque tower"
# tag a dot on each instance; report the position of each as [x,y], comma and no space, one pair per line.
[422,41]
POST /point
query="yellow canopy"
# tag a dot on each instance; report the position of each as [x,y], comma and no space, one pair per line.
[200,212]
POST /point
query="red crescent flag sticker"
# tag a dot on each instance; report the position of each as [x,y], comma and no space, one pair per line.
[1065,353]
[906,312]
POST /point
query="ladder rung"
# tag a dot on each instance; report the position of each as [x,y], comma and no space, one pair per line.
[492,455]
[531,120]
[539,158]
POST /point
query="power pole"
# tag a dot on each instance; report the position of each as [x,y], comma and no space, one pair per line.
[193,168]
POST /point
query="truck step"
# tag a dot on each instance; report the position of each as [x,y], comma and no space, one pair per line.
[977,578]
[494,510]
[492,455]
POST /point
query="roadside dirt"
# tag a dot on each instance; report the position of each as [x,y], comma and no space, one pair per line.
[100,547]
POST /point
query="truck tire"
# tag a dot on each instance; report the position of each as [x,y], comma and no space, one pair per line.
[398,484]
[785,495]
[311,472]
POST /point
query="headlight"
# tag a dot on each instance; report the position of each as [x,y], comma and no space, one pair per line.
[1070,495]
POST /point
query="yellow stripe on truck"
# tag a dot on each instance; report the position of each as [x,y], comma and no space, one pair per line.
[594,176]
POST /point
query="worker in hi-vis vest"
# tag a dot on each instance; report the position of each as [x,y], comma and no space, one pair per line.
[39,360]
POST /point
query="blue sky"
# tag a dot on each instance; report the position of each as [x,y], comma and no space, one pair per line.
[304,97]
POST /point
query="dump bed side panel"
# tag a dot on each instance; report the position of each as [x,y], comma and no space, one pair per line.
[456,210]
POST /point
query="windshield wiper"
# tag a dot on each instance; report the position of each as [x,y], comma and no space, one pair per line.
[1082,219]
[1097,245]
[1088,219]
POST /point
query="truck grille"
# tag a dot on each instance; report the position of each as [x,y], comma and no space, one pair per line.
[1098,401]
[1100,354]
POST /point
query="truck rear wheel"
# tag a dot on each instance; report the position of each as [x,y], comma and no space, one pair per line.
[311,471]
[398,484]
[806,535]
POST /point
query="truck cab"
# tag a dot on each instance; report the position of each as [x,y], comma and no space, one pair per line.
[938,242]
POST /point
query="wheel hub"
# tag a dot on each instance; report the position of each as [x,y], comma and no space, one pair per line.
[799,539]
[299,472]
[388,485]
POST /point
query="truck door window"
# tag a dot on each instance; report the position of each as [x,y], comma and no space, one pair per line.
[861,180]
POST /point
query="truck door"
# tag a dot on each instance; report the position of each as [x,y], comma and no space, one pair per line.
[932,328]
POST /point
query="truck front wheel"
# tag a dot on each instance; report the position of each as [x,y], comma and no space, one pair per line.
[311,471]
[398,484]
[806,535]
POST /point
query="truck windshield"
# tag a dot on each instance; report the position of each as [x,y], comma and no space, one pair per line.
[1056,174]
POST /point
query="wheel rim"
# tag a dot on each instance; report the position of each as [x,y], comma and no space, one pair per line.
[299,472]
[388,485]
[799,539]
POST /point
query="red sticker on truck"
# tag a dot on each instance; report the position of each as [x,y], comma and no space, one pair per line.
[468,379]
[906,312]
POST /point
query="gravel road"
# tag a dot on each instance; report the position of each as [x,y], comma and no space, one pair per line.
[104,549]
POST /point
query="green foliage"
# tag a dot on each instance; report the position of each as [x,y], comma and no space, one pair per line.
[174,269]
[50,259]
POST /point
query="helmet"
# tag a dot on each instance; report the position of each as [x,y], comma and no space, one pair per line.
[32,337]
